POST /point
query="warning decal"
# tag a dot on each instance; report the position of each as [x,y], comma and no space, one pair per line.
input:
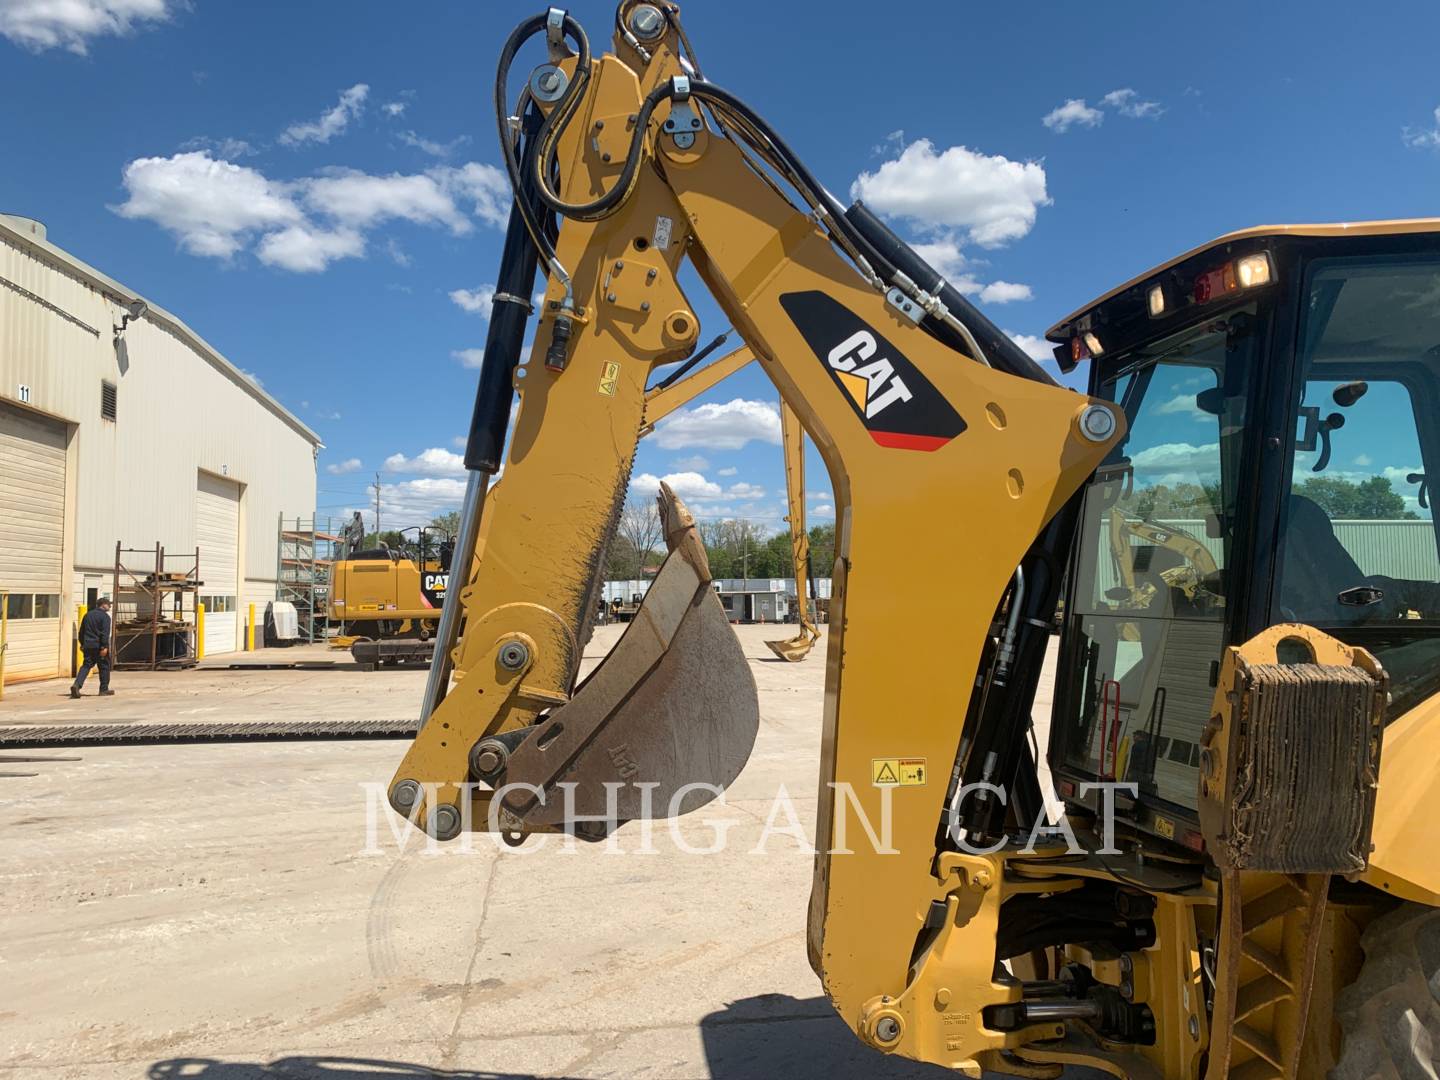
[897,772]
[610,379]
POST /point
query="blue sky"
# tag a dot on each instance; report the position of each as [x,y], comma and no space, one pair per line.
[313,188]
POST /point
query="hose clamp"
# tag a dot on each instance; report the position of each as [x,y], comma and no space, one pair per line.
[680,88]
[511,298]
[555,33]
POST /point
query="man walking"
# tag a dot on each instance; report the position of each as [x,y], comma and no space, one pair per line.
[95,644]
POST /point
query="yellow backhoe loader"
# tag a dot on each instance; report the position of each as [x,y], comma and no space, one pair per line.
[1252,893]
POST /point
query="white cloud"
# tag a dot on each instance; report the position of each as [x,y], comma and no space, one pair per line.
[1076,113]
[687,485]
[213,207]
[252,377]
[696,463]
[394,108]
[1423,139]
[217,208]
[744,490]
[432,462]
[1003,292]
[1173,463]
[340,468]
[944,255]
[226,148]
[1062,118]
[1035,347]
[471,358]
[824,510]
[476,301]
[991,197]
[304,249]
[430,146]
[1364,459]
[38,25]
[332,122]
[363,200]
[1128,103]
[720,427]
[728,471]
[485,187]
[415,502]
[1184,405]
[397,253]
[822,496]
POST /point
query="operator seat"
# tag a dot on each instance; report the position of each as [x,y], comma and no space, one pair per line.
[1316,565]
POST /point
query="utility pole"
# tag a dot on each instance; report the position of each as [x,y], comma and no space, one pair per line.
[377,507]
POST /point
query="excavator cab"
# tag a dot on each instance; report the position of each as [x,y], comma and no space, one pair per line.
[1280,388]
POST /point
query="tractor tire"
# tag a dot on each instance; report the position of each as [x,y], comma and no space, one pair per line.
[1390,1015]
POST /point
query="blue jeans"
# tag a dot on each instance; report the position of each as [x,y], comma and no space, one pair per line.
[93,659]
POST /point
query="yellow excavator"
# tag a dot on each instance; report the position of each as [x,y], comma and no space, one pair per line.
[1253,893]
[385,603]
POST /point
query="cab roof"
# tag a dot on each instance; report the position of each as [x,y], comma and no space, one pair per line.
[1060,332]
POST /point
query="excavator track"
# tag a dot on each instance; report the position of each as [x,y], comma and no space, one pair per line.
[32,738]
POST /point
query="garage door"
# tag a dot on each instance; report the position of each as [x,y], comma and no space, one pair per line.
[32,532]
[217,531]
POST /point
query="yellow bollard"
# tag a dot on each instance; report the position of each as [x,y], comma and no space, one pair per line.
[199,631]
[80,612]
[250,631]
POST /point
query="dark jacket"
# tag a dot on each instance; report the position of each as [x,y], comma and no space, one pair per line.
[95,630]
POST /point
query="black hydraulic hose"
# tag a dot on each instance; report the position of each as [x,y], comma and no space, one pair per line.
[1000,350]
[689,365]
[549,138]
[885,251]
[539,235]
[490,420]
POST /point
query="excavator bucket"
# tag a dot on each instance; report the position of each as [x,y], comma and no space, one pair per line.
[665,722]
[793,649]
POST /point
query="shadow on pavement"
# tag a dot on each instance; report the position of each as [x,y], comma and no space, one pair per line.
[774,1035]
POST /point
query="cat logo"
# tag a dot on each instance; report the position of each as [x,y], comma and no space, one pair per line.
[432,588]
[873,387]
[898,406]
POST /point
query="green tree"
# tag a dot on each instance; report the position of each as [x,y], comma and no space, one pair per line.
[1371,500]
[822,549]
[449,522]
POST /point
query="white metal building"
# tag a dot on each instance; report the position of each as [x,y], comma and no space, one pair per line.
[143,435]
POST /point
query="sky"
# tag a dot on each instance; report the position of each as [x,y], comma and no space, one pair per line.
[315,189]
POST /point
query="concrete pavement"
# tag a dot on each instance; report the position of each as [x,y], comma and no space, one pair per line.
[221,912]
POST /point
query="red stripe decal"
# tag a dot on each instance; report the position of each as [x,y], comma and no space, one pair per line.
[896,441]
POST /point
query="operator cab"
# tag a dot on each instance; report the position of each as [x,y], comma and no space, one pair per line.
[1282,393]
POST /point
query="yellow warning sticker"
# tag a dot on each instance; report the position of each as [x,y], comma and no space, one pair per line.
[897,772]
[609,381]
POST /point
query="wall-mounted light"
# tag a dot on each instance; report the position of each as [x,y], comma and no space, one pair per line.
[133,310]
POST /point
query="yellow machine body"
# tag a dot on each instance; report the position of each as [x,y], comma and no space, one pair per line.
[367,592]
[1250,931]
